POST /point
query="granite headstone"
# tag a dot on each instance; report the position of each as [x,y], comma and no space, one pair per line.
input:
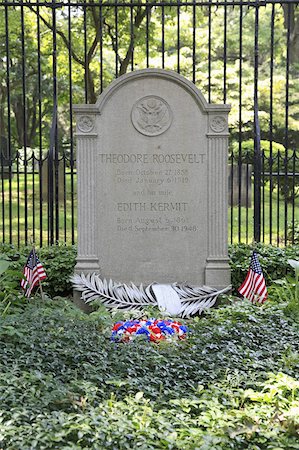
[152,182]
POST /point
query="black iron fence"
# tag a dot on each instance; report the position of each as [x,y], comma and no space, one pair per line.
[54,54]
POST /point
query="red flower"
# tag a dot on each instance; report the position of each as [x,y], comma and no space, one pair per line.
[156,337]
[154,329]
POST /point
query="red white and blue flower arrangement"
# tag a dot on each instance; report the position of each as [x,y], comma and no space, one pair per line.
[155,330]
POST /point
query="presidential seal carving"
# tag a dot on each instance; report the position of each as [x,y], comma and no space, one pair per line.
[218,124]
[151,115]
[85,124]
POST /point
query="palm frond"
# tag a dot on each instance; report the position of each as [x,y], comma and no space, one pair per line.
[111,294]
[194,300]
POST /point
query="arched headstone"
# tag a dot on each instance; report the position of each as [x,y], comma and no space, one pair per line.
[152,182]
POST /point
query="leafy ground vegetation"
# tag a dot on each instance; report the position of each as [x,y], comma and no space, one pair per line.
[232,384]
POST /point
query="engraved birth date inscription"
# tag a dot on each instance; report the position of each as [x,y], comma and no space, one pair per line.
[156,190]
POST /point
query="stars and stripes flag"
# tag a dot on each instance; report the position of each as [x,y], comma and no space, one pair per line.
[254,287]
[33,273]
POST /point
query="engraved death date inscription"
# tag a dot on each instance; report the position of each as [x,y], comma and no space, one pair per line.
[155,190]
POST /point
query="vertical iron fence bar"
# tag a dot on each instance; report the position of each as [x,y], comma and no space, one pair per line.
[132,33]
[85,53]
[293,196]
[56,161]
[101,49]
[7,51]
[64,196]
[147,34]
[178,38]
[33,196]
[53,134]
[239,194]
[257,136]
[248,183]
[18,195]
[116,38]
[278,197]
[163,35]
[271,122]
[231,197]
[71,124]
[286,181]
[24,121]
[209,51]
[40,162]
[194,43]
[2,196]
[263,196]
[240,121]
[224,53]
[56,178]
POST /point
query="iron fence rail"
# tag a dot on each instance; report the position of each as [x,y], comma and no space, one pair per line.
[54,54]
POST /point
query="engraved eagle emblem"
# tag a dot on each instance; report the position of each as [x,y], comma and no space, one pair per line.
[153,115]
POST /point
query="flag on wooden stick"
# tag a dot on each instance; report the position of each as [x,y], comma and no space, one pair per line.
[254,287]
[33,273]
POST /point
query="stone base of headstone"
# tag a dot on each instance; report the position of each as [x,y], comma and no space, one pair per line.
[87,265]
[218,269]
[80,303]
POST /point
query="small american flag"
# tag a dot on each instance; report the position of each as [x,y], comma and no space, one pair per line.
[254,287]
[33,273]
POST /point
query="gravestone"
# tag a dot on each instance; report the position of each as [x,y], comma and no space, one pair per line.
[152,182]
[239,185]
[6,159]
[61,181]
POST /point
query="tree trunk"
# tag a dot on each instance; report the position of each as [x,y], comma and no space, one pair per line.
[291,16]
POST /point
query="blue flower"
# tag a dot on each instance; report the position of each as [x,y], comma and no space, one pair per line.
[143,331]
[168,330]
[184,328]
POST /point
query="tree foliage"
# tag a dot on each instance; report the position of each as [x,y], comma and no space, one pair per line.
[93,45]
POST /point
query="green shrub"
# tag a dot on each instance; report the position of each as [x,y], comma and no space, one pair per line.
[247,153]
[274,261]
[293,233]
[9,285]
[58,260]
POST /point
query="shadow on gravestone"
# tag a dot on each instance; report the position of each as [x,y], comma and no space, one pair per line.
[239,186]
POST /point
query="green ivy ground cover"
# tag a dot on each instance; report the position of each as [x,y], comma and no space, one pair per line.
[233,384]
